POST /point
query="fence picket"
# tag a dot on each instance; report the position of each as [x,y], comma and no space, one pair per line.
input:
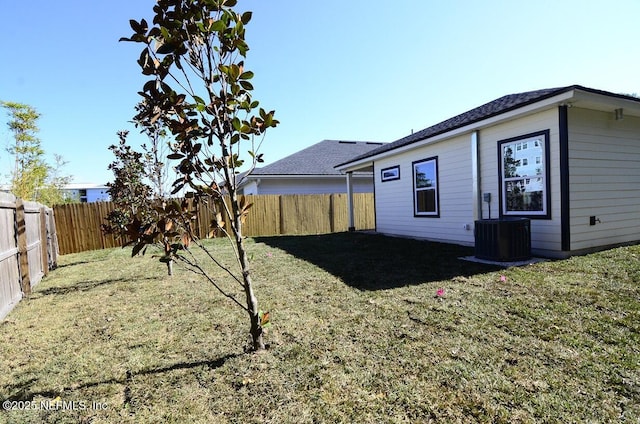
[28,248]
[79,224]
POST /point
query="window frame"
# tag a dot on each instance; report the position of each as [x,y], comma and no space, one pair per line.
[436,188]
[544,138]
[395,174]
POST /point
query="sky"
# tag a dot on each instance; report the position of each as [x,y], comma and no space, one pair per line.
[363,70]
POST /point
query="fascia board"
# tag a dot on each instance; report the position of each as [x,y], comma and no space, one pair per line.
[298,176]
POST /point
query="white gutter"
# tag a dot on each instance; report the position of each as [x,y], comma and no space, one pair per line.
[295,176]
[475,176]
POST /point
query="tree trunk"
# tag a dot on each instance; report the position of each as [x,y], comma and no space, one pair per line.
[252,301]
[170,266]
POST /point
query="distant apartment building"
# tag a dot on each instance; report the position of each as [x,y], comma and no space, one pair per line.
[87,193]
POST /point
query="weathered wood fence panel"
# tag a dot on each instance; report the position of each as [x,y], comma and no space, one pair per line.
[10,292]
[28,248]
[79,223]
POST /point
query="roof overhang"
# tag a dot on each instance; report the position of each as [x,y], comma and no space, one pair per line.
[362,174]
[576,97]
[261,177]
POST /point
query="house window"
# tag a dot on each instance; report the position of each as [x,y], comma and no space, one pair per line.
[525,190]
[425,188]
[390,174]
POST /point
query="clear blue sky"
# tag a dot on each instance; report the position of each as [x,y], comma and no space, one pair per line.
[352,70]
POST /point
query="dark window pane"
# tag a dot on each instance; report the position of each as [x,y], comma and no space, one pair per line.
[426,201]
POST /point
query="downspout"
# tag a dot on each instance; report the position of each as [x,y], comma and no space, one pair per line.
[475,177]
[352,226]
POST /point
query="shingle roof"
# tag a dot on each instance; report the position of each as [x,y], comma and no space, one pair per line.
[319,159]
[487,110]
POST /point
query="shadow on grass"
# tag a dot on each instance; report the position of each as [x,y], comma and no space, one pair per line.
[376,262]
[80,287]
[72,264]
[21,391]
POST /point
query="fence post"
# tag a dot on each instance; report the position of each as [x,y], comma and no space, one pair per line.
[44,242]
[332,213]
[282,217]
[21,226]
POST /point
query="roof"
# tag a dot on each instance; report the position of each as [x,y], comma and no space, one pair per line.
[83,186]
[319,159]
[487,110]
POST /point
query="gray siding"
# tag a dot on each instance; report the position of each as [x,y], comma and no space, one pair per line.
[545,233]
[394,199]
[604,163]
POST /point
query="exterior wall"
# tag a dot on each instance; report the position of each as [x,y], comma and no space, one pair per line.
[88,195]
[545,233]
[394,199]
[604,178]
[308,185]
[97,195]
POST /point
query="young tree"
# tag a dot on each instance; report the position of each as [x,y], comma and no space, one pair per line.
[201,92]
[138,205]
[52,193]
[30,170]
[32,178]
[155,153]
[128,191]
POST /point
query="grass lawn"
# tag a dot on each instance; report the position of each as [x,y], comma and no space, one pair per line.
[358,335]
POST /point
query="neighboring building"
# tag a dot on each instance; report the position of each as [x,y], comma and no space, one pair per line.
[311,171]
[87,193]
[568,158]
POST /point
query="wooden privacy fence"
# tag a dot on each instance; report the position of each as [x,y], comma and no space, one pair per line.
[28,248]
[79,223]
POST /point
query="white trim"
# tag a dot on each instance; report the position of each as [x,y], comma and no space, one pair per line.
[475,176]
[366,175]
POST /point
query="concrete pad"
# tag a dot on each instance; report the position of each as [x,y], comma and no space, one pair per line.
[529,261]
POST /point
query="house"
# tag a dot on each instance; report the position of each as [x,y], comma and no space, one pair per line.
[311,171]
[568,158]
[87,193]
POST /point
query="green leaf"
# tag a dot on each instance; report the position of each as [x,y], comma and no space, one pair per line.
[236,124]
[166,48]
[246,75]
[218,26]
[246,85]
[135,26]
[246,17]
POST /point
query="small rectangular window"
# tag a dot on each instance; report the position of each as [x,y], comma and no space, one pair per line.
[425,188]
[390,174]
